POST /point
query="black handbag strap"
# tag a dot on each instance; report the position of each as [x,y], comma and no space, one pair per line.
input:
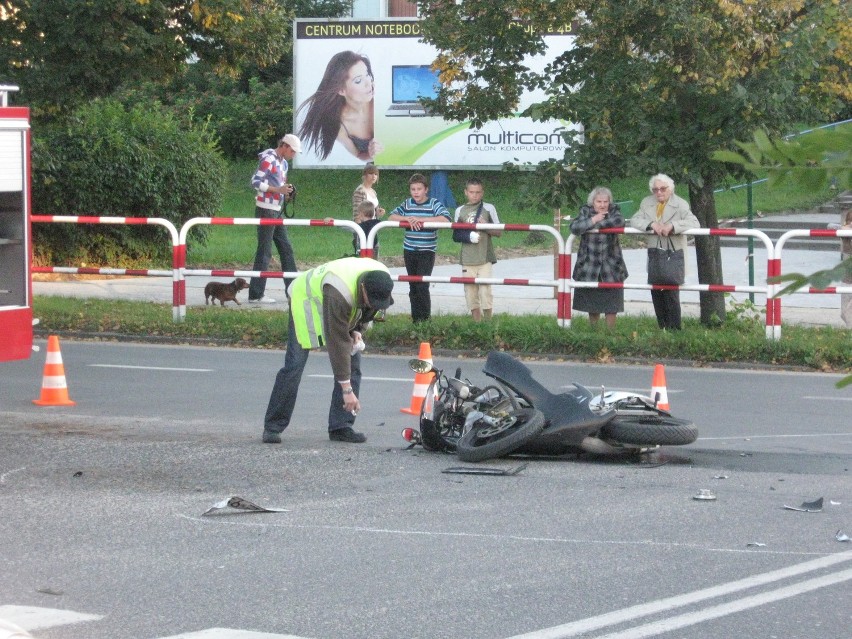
[478,213]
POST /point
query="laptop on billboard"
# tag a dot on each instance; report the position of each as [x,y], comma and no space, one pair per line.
[409,83]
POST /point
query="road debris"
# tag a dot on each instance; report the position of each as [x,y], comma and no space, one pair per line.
[484,470]
[807,506]
[705,495]
[241,504]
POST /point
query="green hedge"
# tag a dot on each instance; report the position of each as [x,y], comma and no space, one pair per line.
[111,160]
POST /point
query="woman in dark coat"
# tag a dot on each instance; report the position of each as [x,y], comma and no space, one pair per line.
[599,257]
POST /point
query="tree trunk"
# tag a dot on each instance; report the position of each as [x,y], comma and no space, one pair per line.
[707,252]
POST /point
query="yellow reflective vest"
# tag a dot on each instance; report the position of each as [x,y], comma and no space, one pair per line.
[306,298]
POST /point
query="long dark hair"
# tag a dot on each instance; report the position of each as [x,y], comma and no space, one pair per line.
[324,108]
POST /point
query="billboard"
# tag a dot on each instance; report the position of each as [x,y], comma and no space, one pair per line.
[357,86]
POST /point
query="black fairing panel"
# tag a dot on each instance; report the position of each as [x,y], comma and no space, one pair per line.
[569,418]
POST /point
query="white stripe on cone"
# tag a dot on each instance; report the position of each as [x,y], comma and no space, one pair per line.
[420,390]
[51,381]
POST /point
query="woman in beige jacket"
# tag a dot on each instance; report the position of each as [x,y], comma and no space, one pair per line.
[667,215]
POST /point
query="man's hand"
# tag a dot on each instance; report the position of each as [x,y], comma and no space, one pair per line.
[351,404]
[358,344]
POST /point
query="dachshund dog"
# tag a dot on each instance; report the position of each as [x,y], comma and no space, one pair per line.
[224,292]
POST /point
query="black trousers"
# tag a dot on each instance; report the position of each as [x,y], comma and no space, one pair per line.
[667,309]
[419,263]
[266,237]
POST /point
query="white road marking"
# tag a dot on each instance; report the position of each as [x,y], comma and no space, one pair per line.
[583,626]
[690,619]
[789,436]
[154,368]
[9,472]
[642,391]
[374,379]
[490,536]
[828,398]
[227,633]
[34,618]
[594,389]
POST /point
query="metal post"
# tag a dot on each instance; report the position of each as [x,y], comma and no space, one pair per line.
[750,241]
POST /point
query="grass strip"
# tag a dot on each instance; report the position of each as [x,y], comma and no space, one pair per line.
[740,341]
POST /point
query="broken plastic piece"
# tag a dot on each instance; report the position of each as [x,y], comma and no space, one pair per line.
[484,470]
[756,544]
[245,505]
[807,506]
[704,495]
[842,536]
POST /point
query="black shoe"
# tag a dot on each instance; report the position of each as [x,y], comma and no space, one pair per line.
[271,437]
[347,435]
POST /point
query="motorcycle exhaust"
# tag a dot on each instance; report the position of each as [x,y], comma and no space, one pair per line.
[598,446]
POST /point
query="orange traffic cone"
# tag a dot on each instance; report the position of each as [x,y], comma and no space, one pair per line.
[421,382]
[658,388]
[54,389]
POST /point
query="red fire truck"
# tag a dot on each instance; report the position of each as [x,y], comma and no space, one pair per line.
[16,289]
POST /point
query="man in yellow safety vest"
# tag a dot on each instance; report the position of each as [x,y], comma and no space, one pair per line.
[330,305]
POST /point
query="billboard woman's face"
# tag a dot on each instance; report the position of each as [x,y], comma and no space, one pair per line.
[359,84]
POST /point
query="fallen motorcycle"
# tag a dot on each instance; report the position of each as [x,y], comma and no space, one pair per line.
[516,414]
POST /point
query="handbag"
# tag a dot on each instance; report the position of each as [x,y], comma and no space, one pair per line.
[666,265]
[463,235]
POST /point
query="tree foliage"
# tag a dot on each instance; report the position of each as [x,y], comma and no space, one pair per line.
[820,158]
[657,86]
[65,52]
[816,160]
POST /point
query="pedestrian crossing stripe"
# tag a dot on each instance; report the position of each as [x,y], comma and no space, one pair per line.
[34,618]
[227,633]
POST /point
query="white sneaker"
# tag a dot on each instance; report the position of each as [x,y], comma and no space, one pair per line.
[263,300]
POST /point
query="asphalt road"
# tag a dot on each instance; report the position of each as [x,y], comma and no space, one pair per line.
[101,510]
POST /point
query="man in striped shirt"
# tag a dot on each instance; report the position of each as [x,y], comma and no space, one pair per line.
[419,245]
[272,192]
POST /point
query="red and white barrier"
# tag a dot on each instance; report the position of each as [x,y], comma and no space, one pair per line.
[716,288]
[246,221]
[562,283]
[559,284]
[103,219]
[779,247]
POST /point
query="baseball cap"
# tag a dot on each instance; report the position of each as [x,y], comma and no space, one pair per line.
[378,286]
[293,142]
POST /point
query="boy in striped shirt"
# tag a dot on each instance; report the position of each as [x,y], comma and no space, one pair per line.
[419,245]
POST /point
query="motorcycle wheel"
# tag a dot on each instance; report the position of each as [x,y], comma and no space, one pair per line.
[487,442]
[437,432]
[650,430]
